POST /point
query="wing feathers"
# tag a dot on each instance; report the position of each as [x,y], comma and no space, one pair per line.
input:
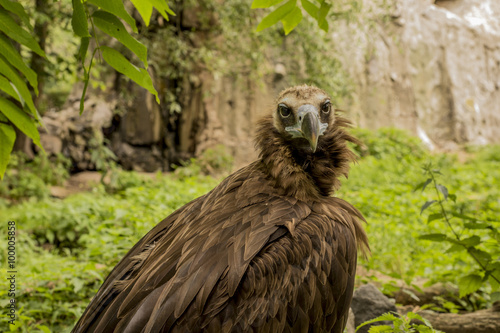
[244,246]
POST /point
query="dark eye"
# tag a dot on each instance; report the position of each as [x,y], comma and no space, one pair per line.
[326,107]
[284,110]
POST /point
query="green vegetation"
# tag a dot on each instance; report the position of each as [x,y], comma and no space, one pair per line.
[383,186]
[65,248]
[30,179]
[400,324]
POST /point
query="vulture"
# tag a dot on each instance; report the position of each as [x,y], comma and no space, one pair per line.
[267,250]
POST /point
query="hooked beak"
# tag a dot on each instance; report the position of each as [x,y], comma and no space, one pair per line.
[308,126]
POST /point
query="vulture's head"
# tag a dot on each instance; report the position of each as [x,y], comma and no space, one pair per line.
[302,115]
[302,143]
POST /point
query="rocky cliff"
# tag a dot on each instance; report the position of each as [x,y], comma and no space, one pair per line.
[432,68]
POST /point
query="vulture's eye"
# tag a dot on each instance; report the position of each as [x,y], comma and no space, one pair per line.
[284,110]
[326,107]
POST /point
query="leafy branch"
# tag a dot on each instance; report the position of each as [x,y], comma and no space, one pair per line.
[290,14]
[489,268]
[17,109]
[400,324]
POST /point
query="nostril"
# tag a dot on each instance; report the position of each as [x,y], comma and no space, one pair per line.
[300,118]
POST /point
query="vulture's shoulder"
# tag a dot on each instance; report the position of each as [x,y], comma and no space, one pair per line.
[180,261]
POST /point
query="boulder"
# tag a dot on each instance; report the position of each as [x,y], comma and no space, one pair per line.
[369,303]
[75,135]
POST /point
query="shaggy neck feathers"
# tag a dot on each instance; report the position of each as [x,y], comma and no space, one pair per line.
[305,176]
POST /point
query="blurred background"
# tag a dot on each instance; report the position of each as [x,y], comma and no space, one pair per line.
[420,80]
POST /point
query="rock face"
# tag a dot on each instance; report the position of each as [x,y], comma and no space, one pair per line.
[77,136]
[369,303]
[433,69]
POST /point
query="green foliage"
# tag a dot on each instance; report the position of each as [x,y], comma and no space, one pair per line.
[23,115]
[490,153]
[382,187]
[388,143]
[290,14]
[108,21]
[139,75]
[214,161]
[400,324]
[30,178]
[15,29]
[477,237]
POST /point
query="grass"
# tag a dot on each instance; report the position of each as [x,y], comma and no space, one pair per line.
[65,248]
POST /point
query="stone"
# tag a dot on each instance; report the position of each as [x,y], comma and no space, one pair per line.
[369,303]
[434,70]
[72,134]
[142,123]
[350,326]
[51,143]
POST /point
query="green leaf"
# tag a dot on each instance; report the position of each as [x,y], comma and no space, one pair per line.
[71,236]
[453,197]
[77,284]
[277,15]
[436,237]
[162,8]
[291,20]
[381,329]
[386,316]
[15,59]
[455,248]
[323,12]
[426,205]
[18,9]
[476,225]
[482,256]
[116,8]
[7,87]
[44,328]
[79,19]
[416,316]
[464,217]
[471,241]
[20,86]
[122,65]
[111,25]
[145,9]
[310,8]
[469,284]
[495,297]
[264,3]
[15,32]
[82,51]
[435,216]
[50,236]
[20,119]
[493,278]
[7,139]
[427,182]
[443,190]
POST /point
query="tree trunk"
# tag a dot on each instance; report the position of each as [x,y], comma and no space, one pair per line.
[41,30]
[483,321]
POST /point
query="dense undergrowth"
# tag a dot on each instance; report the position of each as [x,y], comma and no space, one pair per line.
[65,248]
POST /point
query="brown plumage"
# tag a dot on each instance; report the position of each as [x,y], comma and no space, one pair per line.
[267,250]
